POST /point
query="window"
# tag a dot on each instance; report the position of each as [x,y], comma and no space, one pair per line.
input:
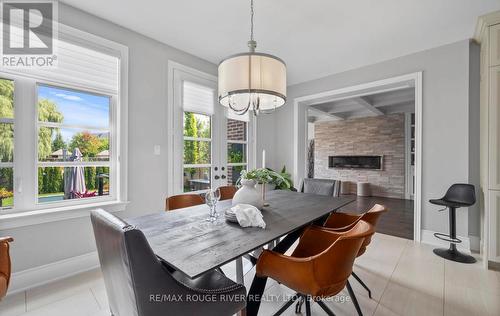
[237,142]
[70,149]
[6,143]
[73,144]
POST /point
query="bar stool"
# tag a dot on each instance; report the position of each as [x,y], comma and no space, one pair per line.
[458,195]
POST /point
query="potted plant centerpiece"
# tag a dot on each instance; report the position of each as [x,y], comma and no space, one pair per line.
[255,183]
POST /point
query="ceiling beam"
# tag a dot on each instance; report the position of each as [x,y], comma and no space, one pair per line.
[395,100]
[367,105]
[319,112]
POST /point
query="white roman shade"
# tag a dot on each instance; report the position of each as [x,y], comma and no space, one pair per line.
[197,98]
[79,63]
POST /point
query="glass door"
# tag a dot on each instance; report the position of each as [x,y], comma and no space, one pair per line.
[197,151]
[211,145]
[237,145]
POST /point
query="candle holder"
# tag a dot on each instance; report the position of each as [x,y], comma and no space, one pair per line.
[264,203]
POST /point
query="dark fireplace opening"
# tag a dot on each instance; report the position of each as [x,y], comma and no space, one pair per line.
[355,162]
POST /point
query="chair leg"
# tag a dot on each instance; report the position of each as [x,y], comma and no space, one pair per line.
[220,271]
[308,305]
[298,306]
[325,308]
[250,258]
[362,284]
[255,294]
[287,304]
[354,299]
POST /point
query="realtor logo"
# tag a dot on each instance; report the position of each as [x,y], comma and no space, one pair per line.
[28,33]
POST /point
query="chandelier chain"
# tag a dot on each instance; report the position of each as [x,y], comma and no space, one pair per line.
[251,20]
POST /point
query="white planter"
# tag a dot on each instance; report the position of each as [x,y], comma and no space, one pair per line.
[248,194]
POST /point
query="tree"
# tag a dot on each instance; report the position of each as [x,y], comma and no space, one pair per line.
[6,138]
[235,154]
[90,178]
[90,145]
[6,98]
[50,179]
[47,112]
[6,111]
[203,129]
[58,142]
[190,147]
[104,144]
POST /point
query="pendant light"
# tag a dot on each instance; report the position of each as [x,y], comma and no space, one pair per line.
[252,81]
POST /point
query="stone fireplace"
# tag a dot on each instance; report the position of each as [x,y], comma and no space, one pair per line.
[377,136]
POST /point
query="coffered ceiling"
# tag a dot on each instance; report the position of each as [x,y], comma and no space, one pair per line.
[371,104]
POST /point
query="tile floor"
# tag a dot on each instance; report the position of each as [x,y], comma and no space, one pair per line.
[405,278]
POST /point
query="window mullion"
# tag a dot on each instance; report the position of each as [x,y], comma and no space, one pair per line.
[62,125]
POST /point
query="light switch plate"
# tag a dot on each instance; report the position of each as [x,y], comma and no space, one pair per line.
[157,150]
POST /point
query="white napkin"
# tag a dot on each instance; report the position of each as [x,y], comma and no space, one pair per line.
[248,216]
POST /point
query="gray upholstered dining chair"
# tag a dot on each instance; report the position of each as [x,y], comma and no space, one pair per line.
[321,186]
[139,284]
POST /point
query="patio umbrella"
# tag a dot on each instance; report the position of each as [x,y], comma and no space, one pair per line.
[77,178]
[67,176]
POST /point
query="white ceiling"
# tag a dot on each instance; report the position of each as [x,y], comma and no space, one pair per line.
[314,37]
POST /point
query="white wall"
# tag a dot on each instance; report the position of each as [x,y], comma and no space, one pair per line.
[265,140]
[147,173]
[445,120]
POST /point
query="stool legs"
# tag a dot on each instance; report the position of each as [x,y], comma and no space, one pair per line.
[452,253]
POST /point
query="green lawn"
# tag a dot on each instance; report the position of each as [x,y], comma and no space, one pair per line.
[8,202]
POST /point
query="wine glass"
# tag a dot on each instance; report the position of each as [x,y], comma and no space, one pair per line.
[211,199]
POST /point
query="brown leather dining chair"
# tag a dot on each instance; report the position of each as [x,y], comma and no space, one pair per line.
[5,265]
[344,221]
[182,200]
[319,267]
[227,192]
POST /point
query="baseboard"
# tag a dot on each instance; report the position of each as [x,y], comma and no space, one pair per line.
[475,243]
[51,272]
[427,237]
[494,265]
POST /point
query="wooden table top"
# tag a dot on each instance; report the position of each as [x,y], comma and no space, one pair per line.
[190,244]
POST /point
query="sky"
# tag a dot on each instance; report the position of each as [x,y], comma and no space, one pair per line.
[78,108]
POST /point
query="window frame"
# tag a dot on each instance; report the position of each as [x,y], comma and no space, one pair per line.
[26,209]
[111,163]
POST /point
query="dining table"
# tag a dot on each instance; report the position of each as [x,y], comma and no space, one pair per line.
[187,242]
